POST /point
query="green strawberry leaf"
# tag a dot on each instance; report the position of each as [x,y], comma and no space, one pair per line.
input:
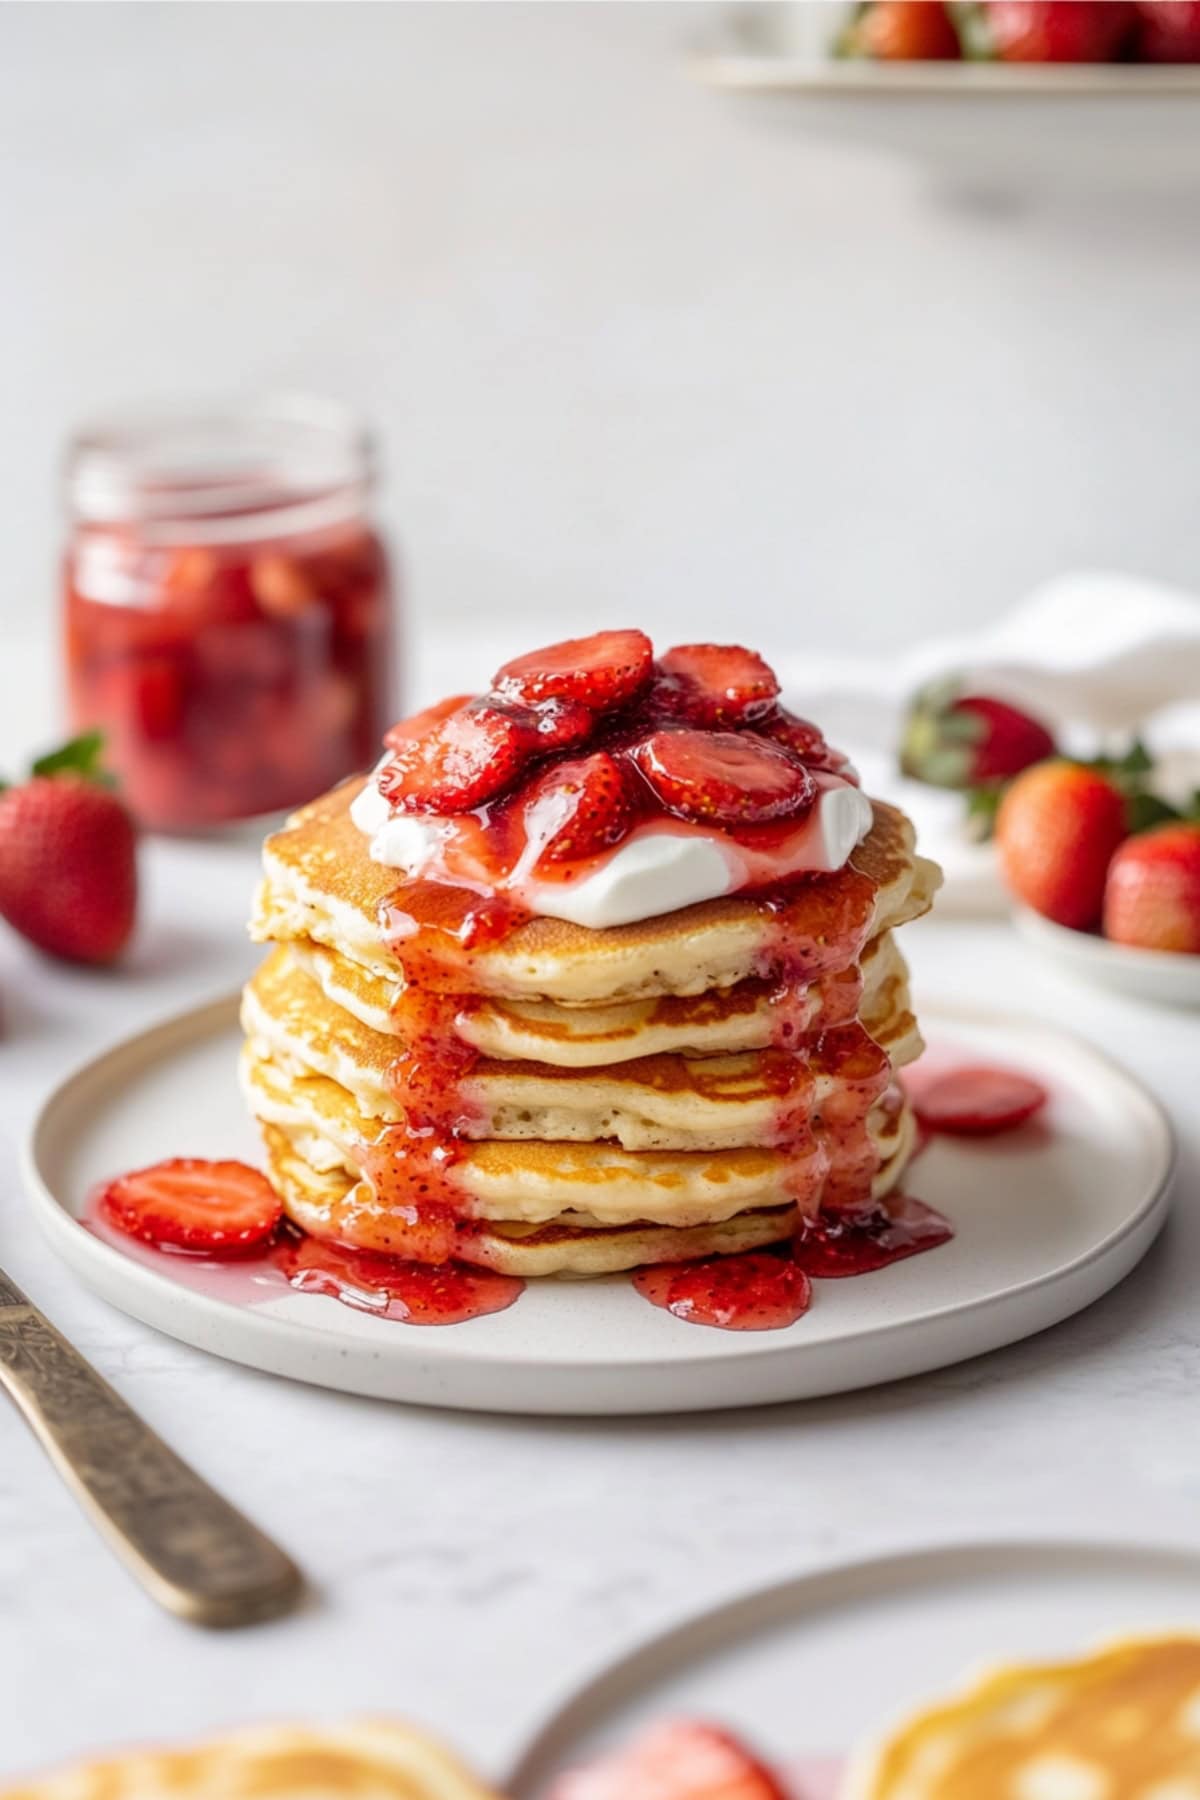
[1126,769]
[79,757]
[983,803]
[847,43]
[1145,810]
[974,31]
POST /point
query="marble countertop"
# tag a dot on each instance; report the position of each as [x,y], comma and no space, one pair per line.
[467,1570]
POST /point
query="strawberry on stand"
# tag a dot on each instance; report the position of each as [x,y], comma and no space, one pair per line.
[68,864]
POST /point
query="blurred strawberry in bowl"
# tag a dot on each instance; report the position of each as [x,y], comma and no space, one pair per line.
[1168,31]
[68,857]
[1152,890]
[1057,829]
[1052,31]
[901,31]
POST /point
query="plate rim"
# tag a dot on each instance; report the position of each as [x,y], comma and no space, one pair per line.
[1081,944]
[686,1635]
[84,1253]
[736,66]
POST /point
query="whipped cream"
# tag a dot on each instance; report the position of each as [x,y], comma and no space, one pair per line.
[662,865]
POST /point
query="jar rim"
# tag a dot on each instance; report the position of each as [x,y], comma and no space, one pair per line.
[221,471]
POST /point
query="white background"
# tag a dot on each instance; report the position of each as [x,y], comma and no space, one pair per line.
[635,356]
[633,353]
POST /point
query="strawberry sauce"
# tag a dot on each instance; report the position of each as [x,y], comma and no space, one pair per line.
[756,1290]
[766,1290]
[416,1293]
[386,1287]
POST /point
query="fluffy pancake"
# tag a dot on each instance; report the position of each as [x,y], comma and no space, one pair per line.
[658,1102]
[1123,1724]
[329,1202]
[321,884]
[535,1182]
[366,1760]
[743,1017]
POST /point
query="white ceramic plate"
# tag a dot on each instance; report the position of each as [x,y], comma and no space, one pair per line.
[1009,128]
[810,1666]
[1047,1219]
[1162,976]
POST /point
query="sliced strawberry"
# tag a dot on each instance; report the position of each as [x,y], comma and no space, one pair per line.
[601,671]
[976,1102]
[580,807]
[800,736]
[731,778]
[683,1759]
[189,1203]
[715,684]
[558,724]
[468,758]
[420,724]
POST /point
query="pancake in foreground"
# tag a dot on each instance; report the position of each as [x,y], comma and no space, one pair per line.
[1123,1724]
[363,1760]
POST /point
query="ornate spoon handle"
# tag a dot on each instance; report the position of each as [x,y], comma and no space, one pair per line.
[191,1550]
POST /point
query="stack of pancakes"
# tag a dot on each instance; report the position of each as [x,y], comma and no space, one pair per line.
[624,1097]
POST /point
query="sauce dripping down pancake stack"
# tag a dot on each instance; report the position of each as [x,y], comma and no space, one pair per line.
[447,1065]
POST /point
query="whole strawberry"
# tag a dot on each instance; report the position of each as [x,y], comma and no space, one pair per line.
[958,740]
[1056,31]
[902,31]
[68,867]
[1168,31]
[1152,895]
[1056,831]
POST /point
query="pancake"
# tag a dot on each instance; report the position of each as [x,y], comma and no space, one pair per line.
[534,1182]
[330,1203]
[743,1017]
[366,1760]
[660,1102]
[1123,1724]
[320,884]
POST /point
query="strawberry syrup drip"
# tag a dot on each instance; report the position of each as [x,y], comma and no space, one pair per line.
[767,1290]
[433,931]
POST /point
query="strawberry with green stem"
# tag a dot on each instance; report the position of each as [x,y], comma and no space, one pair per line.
[68,857]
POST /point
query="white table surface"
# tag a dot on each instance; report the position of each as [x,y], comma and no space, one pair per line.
[466,1569]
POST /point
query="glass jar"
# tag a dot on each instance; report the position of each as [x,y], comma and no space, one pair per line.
[227,607]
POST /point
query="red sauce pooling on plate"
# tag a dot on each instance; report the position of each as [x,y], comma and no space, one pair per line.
[386,1287]
[869,1236]
[756,1290]
[765,1290]
[415,1293]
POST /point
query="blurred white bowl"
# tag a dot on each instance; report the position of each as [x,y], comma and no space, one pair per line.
[989,126]
[1165,977]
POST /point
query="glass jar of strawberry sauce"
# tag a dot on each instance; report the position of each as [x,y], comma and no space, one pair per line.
[227,606]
